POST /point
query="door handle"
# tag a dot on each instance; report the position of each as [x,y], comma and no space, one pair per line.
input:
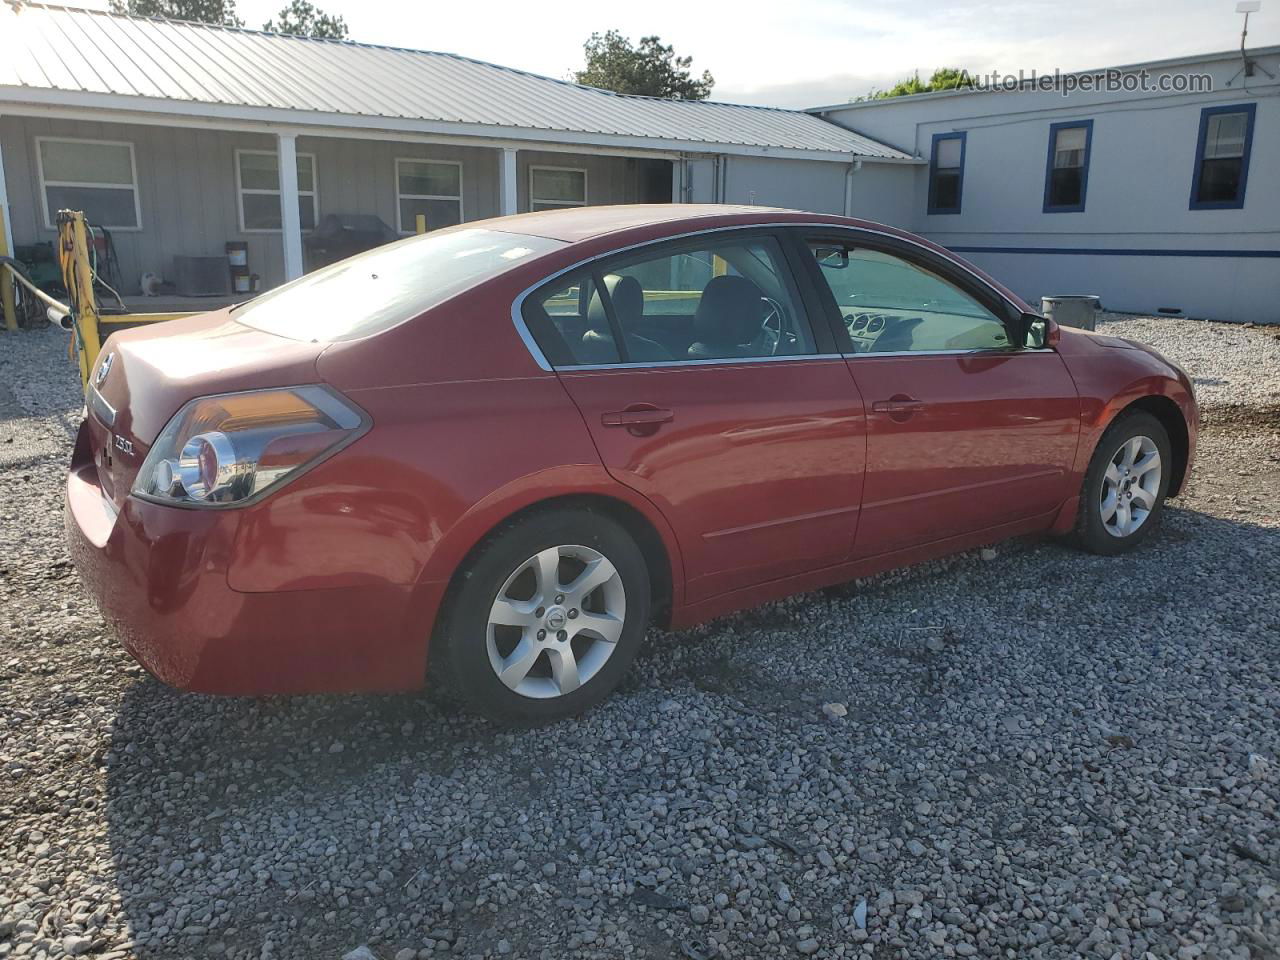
[900,406]
[637,416]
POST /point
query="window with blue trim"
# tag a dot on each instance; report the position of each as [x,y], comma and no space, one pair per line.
[1067,175]
[1222,157]
[946,172]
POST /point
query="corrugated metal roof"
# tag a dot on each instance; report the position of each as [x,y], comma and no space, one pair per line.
[52,48]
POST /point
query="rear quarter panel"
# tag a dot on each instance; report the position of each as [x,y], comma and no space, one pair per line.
[467,430]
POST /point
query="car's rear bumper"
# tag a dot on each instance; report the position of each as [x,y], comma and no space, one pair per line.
[159,575]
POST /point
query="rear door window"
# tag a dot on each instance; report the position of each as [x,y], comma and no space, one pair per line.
[718,299]
[568,320]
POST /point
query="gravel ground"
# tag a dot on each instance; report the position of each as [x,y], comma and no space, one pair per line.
[1232,365]
[1025,752]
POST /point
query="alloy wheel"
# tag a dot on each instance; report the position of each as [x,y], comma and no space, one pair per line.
[555,621]
[1130,486]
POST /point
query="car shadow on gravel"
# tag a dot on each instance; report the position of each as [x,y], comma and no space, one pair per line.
[304,826]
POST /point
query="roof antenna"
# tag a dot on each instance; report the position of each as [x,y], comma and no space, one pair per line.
[1248,66]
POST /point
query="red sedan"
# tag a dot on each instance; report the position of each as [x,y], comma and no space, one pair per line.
[502,450]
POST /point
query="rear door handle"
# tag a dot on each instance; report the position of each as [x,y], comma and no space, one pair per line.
[899,407]
[896,406]
[637,416]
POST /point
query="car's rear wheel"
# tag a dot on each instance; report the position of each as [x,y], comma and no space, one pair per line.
[1125,488]
[546,619]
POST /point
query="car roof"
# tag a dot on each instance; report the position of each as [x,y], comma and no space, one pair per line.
[573,224]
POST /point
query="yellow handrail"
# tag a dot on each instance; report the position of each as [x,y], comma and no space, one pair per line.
[35,291]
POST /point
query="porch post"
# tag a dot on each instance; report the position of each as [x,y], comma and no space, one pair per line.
[507,203]
[290,225]
[4,209]
[7,314]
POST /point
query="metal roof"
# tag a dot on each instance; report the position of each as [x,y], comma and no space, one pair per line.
[80,53]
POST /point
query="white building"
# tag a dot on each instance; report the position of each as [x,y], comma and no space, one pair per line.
[1152,200]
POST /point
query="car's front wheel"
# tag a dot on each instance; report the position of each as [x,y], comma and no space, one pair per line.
[546,619]
[1125,488]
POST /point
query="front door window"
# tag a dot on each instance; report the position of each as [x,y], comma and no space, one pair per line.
[890,305]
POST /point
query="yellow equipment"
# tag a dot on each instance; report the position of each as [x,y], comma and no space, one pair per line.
[78,276]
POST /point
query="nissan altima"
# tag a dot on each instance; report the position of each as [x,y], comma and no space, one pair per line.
[489,457]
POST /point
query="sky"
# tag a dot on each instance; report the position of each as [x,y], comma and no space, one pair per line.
[800,53]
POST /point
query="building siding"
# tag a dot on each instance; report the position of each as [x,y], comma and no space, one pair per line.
[609,179]
[187,187]
[883,192]
[359,176]
[795,184]
[186,192]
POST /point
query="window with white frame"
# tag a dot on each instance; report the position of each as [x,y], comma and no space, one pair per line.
[432,188]
[946,172]
[98,177]
[1067,176]
[1222,157]
[551,188]
[258,183]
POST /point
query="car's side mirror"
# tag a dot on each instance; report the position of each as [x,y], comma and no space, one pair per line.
[833,258]
[1039,332]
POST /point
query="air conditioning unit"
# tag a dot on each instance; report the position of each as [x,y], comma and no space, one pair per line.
[201,276]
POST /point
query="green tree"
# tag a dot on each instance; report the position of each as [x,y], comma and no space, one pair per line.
[202,11]
[944,78]
[302,18]
[650,69]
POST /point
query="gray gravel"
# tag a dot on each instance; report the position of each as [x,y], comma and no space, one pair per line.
[1230,363]
[1021,752]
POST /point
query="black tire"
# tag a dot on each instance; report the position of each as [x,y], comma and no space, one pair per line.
[460,659]
[1091,531]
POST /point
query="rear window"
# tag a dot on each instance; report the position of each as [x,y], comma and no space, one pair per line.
[380,288]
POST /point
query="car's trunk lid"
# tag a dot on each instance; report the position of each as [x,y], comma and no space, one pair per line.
[145,375]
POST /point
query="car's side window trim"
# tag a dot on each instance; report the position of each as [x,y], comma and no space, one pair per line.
[924,259]
[675,245]
[815,288]
[600,266]
[802,229]
[700,362]
[540,335]
[810,299]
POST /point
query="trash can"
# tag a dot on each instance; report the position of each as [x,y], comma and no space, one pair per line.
[1073,311]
